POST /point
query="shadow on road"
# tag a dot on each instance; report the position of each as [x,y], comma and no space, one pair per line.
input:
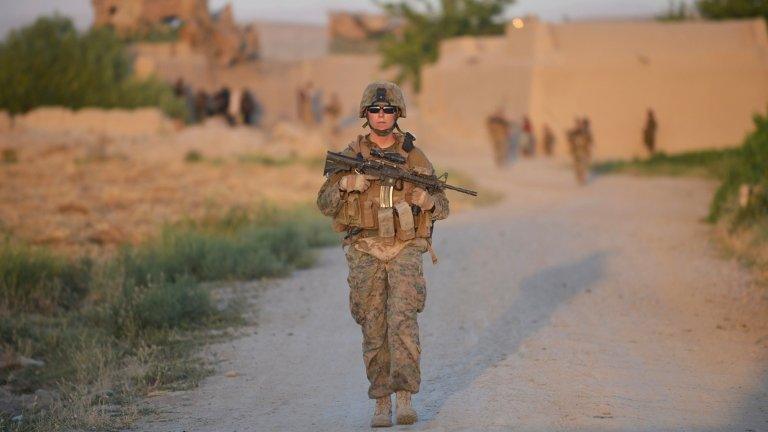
[540,295]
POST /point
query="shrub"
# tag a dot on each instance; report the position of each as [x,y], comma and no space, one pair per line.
[158,305]
[193,156]
[426,24]
[251,251]
[749,168]
[51,63]
[35,279]
[9,156]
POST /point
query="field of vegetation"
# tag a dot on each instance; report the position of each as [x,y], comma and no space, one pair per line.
[84,339]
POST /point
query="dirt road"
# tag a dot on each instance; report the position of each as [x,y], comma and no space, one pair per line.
[605,308]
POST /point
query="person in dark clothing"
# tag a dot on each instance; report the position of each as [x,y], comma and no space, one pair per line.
[649,132]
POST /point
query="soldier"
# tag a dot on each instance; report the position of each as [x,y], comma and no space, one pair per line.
[332,113]
[649,132]
[528,139]
[580,142]
[549,140]
[388,229]
[498,129]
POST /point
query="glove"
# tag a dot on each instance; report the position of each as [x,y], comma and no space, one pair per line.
[354,183]
[423,199]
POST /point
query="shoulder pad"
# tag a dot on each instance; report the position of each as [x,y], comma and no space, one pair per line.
[408,142]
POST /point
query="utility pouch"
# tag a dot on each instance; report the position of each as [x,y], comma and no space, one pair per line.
[369,214]
[405,221]
[353,209]
[386,219]
[423,224]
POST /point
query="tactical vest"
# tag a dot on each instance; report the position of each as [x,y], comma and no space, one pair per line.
[362,211]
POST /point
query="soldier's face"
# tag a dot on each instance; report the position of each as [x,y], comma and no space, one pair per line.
[381,120]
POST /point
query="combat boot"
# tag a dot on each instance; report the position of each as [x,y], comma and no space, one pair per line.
[382,416]
[405,413]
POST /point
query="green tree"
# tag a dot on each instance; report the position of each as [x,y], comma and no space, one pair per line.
[426,23]
[50,63]
[678,10]
[724,9]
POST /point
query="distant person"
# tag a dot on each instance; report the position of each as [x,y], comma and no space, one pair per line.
[498,130]
[250,109]
[515,131]
[178,87]
[221,102]
[332,113]
[317,107]
[580,143]
[301,100]
[549,140]
[184,92]
[528,143]
[649,132]
[586,126]
[306,96]
[202,107]
[233,107]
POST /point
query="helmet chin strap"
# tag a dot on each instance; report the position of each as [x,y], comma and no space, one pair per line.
[383,132]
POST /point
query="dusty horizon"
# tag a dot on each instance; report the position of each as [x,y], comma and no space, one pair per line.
[17,14]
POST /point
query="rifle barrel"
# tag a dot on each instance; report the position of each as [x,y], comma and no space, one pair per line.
[433,182]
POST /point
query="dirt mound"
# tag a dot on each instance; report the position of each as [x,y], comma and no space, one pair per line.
[142,121]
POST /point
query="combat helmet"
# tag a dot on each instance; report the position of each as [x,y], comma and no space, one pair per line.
[382,91]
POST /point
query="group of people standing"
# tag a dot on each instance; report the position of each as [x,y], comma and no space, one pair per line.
[311,111]
[511,139]
[237,107]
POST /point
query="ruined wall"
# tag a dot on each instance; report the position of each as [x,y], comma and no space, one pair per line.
[358,32]
[291,42]
[109,122]
[171,61]
[129,16]
[216,35]
[703,79]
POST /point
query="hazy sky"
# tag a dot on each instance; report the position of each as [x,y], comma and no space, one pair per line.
[14,13]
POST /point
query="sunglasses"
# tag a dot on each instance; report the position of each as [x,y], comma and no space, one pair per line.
[386,109]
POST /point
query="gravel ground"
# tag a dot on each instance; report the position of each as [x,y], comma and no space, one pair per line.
[602,308]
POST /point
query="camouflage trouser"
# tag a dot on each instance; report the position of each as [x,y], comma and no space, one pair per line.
[581,164]
[384,298]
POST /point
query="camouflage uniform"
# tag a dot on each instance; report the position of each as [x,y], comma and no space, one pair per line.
[580,141]
[387,286]
[498,129]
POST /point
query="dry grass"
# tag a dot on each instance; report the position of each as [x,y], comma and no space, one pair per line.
[748,243]
[82,193]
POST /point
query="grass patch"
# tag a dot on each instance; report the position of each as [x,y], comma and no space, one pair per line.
[193,156]
[34,279]
[112,332]
[740,205]
[705,163]
[9,156]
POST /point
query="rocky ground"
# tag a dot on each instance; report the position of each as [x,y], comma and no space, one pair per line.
[561,309]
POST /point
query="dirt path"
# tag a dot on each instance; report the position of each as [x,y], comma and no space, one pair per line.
[603,308]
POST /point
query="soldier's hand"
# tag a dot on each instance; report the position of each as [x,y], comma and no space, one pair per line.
[354,183]
[422,198]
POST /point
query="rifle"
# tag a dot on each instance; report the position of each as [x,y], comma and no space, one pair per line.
[389,172]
